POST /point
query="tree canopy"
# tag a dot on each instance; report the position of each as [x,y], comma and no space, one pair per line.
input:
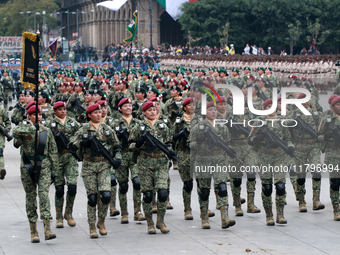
[12,23]
[262,22]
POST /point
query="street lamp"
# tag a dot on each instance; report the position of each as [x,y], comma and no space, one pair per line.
[86,29]
[28,12]
[35,25]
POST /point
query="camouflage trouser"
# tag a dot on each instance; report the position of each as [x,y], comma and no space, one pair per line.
[308,153]
[122,175]
[7,97]
[203,179]
[332,160]
[184,172]
[96,178]
[30,188]
[276,159]
[153,174]
[2,148]
[249,157]
[67,173]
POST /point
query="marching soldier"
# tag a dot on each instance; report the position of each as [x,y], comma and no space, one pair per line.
[33,176]
[5,127]
[67,171]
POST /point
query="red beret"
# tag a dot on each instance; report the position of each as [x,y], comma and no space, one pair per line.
[210,104]
[251,77]
[59,104]
[223,99]
[65,83]
[33,109]
[222,80]
[310,79]
[153,99]
[208,78]
[335,100]
[267,102]
[294,76]
[102,102]
[184,83]
[279,99]
[125,101]
[331,98]
[301,95]
[188,100]
[147,105]
[92,108]
[303,78]
[30,104]
[79,84]
[107,81]
[71,84]
[160,80]
[173,80]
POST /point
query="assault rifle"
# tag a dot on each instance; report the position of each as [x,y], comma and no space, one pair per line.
[237,128]
[274,141]
[18,106]
[6,84]
[217,141]
[153,143]
[304,127]
[98,149]
[62,143]
[123,136]
[7,134]
[184,132]
[336,133]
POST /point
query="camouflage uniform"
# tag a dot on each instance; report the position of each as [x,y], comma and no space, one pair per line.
[67,171]
[71,108]
[331,158]
[273,157]
[122,173]
[96,171]
[307,147]
[47,111]
[173,111]
[6,90]
[152,170]
[5,123]
[205,159]
[18,114]
[24,135]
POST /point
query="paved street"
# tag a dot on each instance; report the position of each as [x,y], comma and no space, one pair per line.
[314,232]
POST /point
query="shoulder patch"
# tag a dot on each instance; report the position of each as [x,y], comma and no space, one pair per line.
[315,113]
[178,120]
[53,124]
[161,125]
[142,128]
[329,120]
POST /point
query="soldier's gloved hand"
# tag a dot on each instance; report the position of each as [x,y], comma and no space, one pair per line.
[85,143]
[113,180]
[117,163]
[52,179]
[200,139]
[140,141]
[176,137]
[36,126]
[72,148]
[291,150]
[172,154]
[6,131]
[259,137]
[73,102]
[328,135]
[10,108]
[173,114]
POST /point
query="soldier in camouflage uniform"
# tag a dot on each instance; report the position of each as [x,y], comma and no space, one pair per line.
[19,109]
[71,108]
[274,157]
[307,148]
[123,127]
[96,171]
[206,158]
[7,89]
[329,123]
[153,166]
[24,135]
[44,102]
[172,107]
[6,127]
[67,171]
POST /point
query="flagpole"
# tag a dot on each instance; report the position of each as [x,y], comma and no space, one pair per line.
[129,61]
[36,108]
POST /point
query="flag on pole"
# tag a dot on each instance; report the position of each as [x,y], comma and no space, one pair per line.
[132,28]
[53,48]
[172,7]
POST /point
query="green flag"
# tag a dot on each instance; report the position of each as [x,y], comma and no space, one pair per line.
[132,28]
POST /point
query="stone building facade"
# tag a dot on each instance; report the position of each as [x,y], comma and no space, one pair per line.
[105,26]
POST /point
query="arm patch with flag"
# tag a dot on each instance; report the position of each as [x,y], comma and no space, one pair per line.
[132,28]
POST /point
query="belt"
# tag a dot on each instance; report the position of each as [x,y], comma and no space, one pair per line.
[238,141]
[212,153]
[39,158]
[272,151]
[94,159]
[64,151]
[151,155]
[305,141]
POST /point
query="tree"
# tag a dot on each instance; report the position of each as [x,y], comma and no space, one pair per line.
[14,23]
[294,35]
[317,33]
[224,34]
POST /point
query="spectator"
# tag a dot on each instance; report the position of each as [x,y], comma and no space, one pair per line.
[106,57]
[246,49]
[232,50]
[303,51]
[95,56]
[313,46]
[254,50]
[270,51]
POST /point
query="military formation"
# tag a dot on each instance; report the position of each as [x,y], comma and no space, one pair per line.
[136,125]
